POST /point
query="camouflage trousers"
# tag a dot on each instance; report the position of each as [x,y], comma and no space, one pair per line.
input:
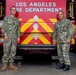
[9,50]
[63,53]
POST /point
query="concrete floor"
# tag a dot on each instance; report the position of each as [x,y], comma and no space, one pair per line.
[41,69]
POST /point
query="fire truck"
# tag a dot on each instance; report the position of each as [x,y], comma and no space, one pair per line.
[37,19]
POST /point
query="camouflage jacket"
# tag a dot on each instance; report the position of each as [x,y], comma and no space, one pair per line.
[11,27]
[63,31]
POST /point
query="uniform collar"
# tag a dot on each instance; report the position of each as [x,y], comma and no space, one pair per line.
[11,17]
[62,20]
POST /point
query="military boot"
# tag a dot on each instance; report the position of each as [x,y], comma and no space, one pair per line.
[4,68]
[60,66]
[12,67]
[66,68]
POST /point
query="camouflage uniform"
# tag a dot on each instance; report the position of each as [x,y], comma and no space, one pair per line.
[11,28]
[63,31]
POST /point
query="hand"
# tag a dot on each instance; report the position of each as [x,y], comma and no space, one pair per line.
[54,43]
[18,40]
[67,41]
[5,38]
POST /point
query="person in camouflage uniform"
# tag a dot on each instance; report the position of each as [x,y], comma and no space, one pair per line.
[63,32]
[11,33]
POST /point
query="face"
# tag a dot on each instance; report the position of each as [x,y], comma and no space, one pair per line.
[60,15]
[13,10]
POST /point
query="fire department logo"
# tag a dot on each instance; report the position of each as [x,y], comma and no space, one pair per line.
[35,26]
[36,36]
[35,18]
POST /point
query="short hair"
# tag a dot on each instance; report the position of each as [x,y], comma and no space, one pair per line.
[12,7]
[61,11]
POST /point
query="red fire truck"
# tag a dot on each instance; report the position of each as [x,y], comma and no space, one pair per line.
[37,19]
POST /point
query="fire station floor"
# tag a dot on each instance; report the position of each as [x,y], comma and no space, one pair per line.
[41,66]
